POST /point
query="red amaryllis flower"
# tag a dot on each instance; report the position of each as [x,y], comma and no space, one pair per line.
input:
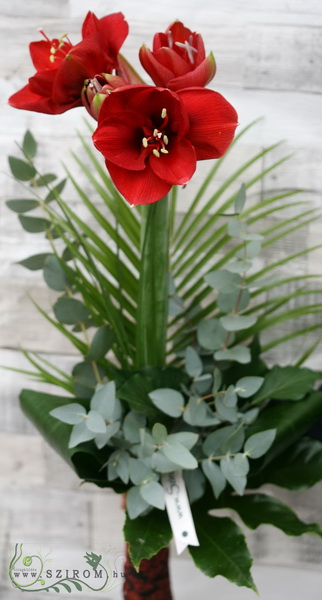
[62,68]
[152,137]
[178,59]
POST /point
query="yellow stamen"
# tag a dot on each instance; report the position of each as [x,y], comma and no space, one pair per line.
[164,151]
[52,58]
[155,132]
[166,139]
[145,142]
[163,113]
[156,153]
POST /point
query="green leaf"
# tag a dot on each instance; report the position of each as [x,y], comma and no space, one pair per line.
[102,342]
[132,424]
[20,169]
[226,439]
[186,438]
[153,494]
[159,433]
[224,412]
[178,454]
[256,509]
[240,354]
[214,475]
[45,179]
[104,400]
[222,550]
[23,205]
[247,386]
[193,362]
[134,503]
[286,383]
[70,311]
[169,401]
[224,281]
[211,334]
[54,274]
[29,145]
[55,191]
[290,419]
[80,434]
[227,302]
[258,443]
[69,413]
[240,199]
[231,472]
[298,468]
[35,262]
[95,422]
[138,471]
[237,322]
[34,224]
[147,535]
[196,483]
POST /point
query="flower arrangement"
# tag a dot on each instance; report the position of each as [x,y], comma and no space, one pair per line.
[172,402]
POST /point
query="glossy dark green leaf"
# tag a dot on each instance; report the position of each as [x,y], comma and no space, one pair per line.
[70,311]
[298,468]
[290,419]
[29,145]
[35,262]
[147,535]
[85,380]
[286,383]
[22,205]
[256,509]
[102,342]
[20,169]
[222,551]
[34,224]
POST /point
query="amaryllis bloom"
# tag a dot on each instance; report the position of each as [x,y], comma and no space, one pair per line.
[151,137]
[178,59]
[62,69]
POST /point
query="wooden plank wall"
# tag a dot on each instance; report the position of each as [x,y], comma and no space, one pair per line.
[269,56]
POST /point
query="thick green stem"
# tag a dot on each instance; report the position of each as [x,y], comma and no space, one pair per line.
[153,285]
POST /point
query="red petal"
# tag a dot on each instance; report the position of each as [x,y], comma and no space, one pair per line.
[212,121]
[172,61]
[158,73]
[120,140]
[178,166]
[119,100]
[138,187]
[150,103]
[113,29]
[26,99]
[40,55]
[197,78]
[84,61]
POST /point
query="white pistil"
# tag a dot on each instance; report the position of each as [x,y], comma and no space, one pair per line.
[170,39]
[156,153]
[163,113]
[165,139]
[188,48]
[145,142]
[164,151]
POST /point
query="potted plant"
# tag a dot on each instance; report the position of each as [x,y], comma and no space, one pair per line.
[171,403]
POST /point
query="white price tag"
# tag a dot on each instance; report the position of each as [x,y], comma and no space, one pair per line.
[179,511]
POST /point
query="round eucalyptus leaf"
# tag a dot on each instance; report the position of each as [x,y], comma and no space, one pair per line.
[54,274]
[161,464]
[80,434]
[69,413]
[123,468]
[138,471]
[258,444]
[70,311]
[224,412]
[224,281]
[134,502]
[153,494]
[186,438]
[214,475]
[240,464]
[169,401]
[230,397]
[132,424]
[159,433]
[240,354]
[104,399]
[196,484]
[247,386]
[237,322]
[193,362]
[239,266]
[178,454]
[95,422]
[211,334]
[238,482]
[227,302]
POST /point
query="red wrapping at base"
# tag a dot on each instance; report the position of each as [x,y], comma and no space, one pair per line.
[152,581]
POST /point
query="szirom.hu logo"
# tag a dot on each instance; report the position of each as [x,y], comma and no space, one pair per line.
[37,571]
